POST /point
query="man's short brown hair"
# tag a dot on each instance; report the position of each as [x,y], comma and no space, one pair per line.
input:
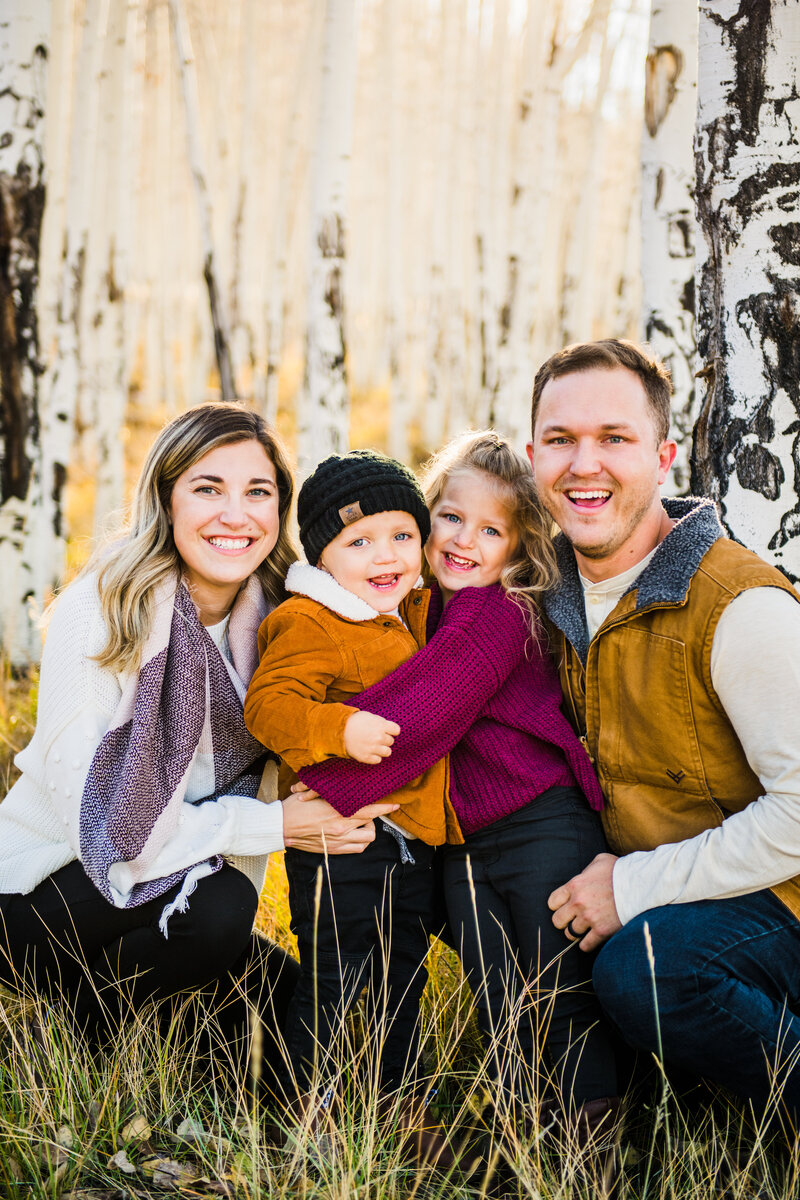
[609,355]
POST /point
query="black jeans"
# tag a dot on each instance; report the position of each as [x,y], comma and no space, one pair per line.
[370,926]
[67,941]
[536,1005]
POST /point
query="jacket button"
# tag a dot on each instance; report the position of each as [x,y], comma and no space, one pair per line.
[388,624]
[418,599]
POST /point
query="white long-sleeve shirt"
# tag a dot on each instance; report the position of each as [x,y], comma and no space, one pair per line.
[39,818]
[755,670]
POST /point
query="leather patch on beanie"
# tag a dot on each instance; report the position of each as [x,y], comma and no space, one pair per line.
[351,512]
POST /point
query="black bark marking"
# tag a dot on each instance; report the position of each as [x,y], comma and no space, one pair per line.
[758,469]
[221,348]
[687,296]
[786,241]
[749,34]
[778,176]
[21,208]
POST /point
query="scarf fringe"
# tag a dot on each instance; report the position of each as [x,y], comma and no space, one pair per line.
[181,901]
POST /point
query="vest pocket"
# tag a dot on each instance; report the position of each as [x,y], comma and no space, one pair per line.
[648,689]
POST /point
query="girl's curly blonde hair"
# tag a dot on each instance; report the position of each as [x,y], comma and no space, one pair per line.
[533,568]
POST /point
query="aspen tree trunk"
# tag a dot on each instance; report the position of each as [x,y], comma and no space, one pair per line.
[579,297]
[747,438]
[446,199]
[668,226]
[287,191]
[118,147]
[188,78]
[325,411]
[393,48]
[510,411]
[492,205]
[62,383]
[24,40]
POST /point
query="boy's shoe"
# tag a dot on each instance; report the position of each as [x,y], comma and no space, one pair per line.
[420,1134]
[308,1129]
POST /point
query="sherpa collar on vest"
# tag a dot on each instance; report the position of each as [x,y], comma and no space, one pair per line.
[305,580]
[665,579]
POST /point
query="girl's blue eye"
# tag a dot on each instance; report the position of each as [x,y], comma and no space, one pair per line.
[494,532]
[450,517]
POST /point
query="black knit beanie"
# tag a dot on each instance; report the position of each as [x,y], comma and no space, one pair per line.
[346,487]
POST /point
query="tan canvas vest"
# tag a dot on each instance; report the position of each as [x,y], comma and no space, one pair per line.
[668,759]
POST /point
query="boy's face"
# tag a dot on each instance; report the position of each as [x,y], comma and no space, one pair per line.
[377,558]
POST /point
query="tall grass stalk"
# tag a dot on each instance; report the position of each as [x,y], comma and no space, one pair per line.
[662,1111]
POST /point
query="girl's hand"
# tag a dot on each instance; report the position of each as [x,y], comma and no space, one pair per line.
[316,827]
[302,792]
[368,738]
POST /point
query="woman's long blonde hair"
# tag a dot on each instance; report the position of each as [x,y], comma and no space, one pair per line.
[533,568]
[130,572]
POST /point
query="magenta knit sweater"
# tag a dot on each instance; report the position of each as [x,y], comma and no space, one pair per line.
[483,691]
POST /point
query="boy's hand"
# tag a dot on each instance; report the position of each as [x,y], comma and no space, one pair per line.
[368,738]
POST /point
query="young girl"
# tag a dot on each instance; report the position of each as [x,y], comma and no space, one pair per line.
[485,689]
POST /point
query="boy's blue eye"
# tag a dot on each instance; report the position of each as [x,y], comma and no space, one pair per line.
[359,542]
[402,537]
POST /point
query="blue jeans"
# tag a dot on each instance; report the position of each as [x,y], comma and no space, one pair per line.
[727,975]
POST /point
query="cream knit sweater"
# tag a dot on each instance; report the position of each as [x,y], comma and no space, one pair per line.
[39,818]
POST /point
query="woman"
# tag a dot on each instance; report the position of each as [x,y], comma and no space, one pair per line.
[134,845]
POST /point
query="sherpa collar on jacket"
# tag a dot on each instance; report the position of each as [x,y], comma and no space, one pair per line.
[665,579]
[305,580]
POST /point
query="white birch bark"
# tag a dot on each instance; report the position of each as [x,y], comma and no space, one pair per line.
[188,78]
[668,226]
[747,438]
[61,384]
[511,402]
[325,409]
[110,254]
[446,199]
[24,42]
[492,206]
[286,196]
[579,299]
[394,49]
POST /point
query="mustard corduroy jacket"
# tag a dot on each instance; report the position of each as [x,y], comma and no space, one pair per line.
[318,649]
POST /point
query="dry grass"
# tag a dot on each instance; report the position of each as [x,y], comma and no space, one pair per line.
[141,1116]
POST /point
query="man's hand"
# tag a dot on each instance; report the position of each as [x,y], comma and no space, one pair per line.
[584,907]
[368,738]
[315,826]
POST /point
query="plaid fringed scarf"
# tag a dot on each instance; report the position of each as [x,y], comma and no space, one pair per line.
[183,699]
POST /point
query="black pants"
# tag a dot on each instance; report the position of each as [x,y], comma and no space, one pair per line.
[66,940]
[536,1005]
[370,926]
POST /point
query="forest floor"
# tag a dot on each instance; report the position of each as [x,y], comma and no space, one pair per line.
[143,1115]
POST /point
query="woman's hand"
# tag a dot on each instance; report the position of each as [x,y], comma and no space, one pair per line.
[302,792]
[368,738]
[314,826]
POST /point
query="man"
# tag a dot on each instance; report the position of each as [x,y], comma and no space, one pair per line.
[680,663]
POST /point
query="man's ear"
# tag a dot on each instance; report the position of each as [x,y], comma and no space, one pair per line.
[666,457]
[529,452]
